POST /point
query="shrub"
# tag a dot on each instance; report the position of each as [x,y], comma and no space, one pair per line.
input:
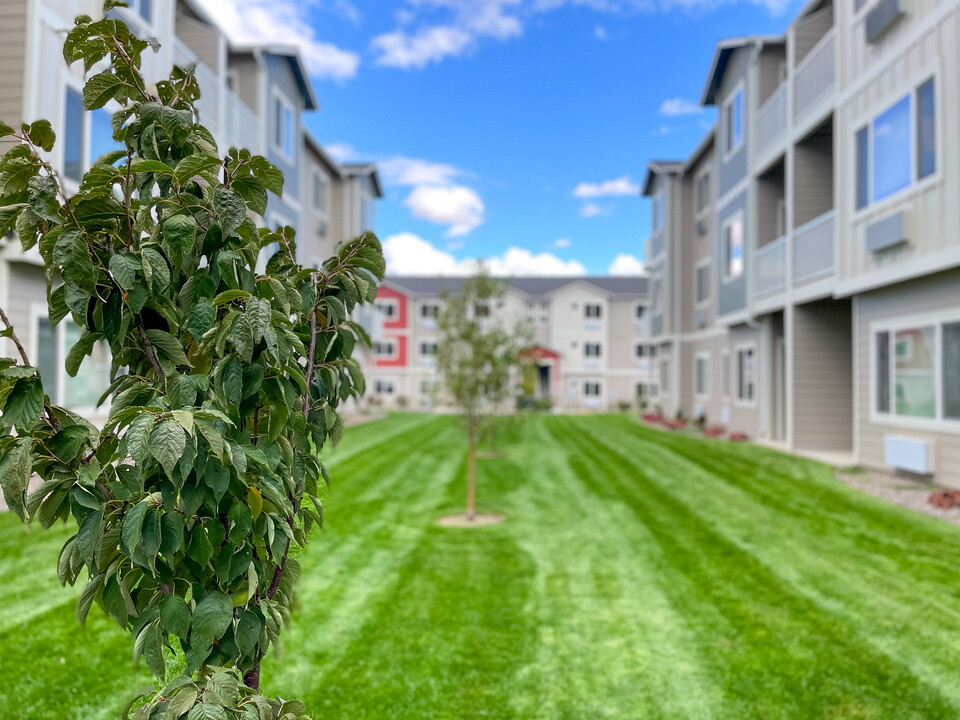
[738,436]
[945,499]
[225,381]
[402,402]
[714,431]
[623,406]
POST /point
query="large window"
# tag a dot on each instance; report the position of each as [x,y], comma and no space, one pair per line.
[592,310]
[591,349]
[591,389]
[898,148]
[746,374]
[732,240]
[73,135]
[733,119]
[917,371]
[92,379]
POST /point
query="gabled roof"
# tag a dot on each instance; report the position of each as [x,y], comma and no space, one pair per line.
[721,56]
[316,147]
[659,167]
[702,147]
[365,169]
[292,55]
[534,286]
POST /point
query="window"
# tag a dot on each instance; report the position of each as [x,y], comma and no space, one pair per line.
[321,194]
[951,371]
[591,349]
[703,191]
[640,350]
[101,135]
[746,375]
[481,311]
[283,132]
[639,311]
[591,389]
[386,308]
[428,348]
[703,284]
[926,131]
[592,310]
[383,348]
[429,312]
[898,148]
[92,379]
[657,211]
[384,387]
[701,375]
[73,134]
[883,372]
[733,247]
[733,115]
[726,374]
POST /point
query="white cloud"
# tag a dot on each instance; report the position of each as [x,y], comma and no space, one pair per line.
[609,188]
[402,50]
[662,130]
[592,210]
[341,152]
[600,33]
[284,22]
[675,107]
[409,254]
[562,242]
[407,171]
[456,205]
[625,264]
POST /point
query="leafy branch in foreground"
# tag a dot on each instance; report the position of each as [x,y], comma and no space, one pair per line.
[225,381]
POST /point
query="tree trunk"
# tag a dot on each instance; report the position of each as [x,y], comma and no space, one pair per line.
[471,476]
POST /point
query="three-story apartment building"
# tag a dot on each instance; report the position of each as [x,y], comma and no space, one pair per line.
[805,258]
[252,97]
[589,338]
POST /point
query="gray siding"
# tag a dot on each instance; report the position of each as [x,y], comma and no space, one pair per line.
[733,169]
[769,71]
[280,75]
[202,39]
[28,287]
[809,30]
[732,295]
[813,177]
[822,349]
[13,38]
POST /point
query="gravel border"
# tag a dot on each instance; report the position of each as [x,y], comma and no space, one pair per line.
[906,491]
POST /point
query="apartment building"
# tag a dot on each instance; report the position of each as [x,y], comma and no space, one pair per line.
[805,260]
[252,97]
[589,338]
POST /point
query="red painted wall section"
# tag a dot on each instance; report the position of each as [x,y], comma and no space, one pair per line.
[400,359]
[399,321]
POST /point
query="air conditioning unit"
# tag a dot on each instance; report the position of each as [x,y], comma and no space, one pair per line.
[909,453]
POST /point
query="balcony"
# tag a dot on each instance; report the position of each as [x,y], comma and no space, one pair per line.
[770,268]
[654,245]
[771,123]
[813,256]
[241,124]
[815,76]
[210,87]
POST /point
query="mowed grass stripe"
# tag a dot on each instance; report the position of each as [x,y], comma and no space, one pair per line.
[610,642]
[779,654]
[895,594]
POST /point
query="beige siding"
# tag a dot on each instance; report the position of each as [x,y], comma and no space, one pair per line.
[809,30]
[13,39]
[813,178]
[202,39]
[248,74]
[745,417]
[933,294]
[769,71]
[823,386]
[770,190]
[28,287]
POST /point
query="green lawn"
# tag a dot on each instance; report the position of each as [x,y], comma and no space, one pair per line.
[640,575]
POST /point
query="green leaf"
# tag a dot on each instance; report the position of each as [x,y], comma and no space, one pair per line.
[253,194]
[267,174]
[123,267]
[212,616]
[202,318]
[168,345]
[16,467]
[155,270]
[80,349]
[261,317]
[73,256]
[185,419]
[153,649]
[207,711]
[222,688]
[241,335]
[139,165]
[90,591]
[138,435]
[229,296]
[42,134]
[230,209]
[132,526]
[175,616]
[167,441]
[9,215]
[180,232]
[101,89]
[24,404]
[197,164]
[185,699]
[6,130]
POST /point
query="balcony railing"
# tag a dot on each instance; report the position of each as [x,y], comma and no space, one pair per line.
[241,124]
[815,75]
[813,249]
[771,267]
[654,245]
[772,121]
[209,83]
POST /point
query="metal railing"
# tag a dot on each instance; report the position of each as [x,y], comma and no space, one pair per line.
[771,267]
[815,75]
[813,249]
[772,120]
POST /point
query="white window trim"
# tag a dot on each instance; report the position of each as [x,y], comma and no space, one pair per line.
[701,304]
[393,385]
[277,94]
[427,341]
[737,90]
[599,385]
[737,400]
[737,216]
[599,347]
[386,356]
[384,302]
[917,186]
[938,319]
[707,358]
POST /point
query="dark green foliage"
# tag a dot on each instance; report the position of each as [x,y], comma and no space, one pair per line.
[225,381]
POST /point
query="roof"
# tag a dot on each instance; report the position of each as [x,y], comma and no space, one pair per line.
[535,286]
[721,56]
[314,145]
[369,169]
[659,167]
[702,147]
[299,68]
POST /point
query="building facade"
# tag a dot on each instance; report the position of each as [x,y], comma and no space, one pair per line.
[805,260]
[252,97]
[589,339]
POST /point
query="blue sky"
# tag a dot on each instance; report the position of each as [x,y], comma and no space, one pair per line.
[513,130]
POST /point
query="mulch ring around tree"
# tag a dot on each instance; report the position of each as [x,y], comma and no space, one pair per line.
[461,520]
